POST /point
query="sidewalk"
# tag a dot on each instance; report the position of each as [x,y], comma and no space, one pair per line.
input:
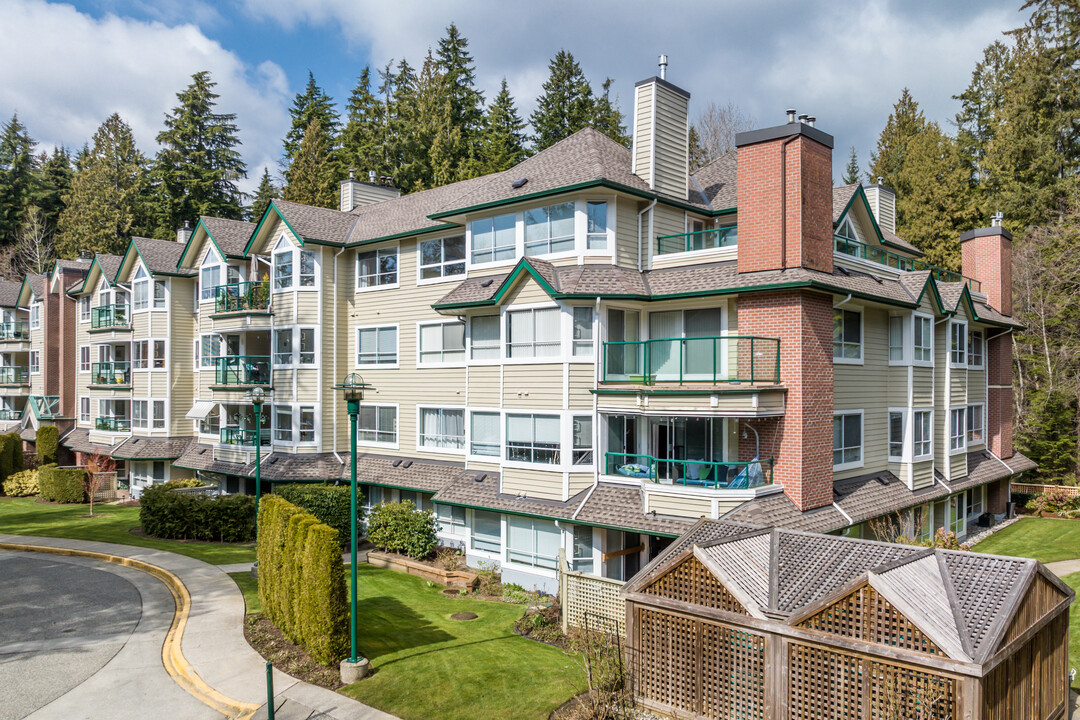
[213,641]
[1062,568]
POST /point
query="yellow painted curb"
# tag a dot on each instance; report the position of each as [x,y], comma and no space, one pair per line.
[172,656]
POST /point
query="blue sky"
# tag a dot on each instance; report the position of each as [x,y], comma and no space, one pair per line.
[64,67]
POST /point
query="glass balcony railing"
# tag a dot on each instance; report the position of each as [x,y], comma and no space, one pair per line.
[856,249]
[242,297]
[7,415]
[238,436]
[110,373]
[14,376]
[113,424]
[708,360]
[110,316]
[697,240]
[725,475]
[15,330]
[243,370]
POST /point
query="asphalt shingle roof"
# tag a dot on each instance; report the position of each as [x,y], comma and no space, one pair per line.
[9,293]
[481,490]
[315,223]
[147,448]
[717,182]
[620,506]
[160,256]
[231,236]
[409,212]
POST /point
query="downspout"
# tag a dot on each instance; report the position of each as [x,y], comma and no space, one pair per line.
[335,358]
[783,200]
[842,301]
[596,415]
[645,210]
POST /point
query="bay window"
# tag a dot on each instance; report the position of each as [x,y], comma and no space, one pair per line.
[209,279]
[549,229]
[975,424]
[306,353]
[158,417]
[283,430]
[583,440]
[139,352]
[138,414]
[532,333]
[159,294]
[442,342]
[307,425]
[957,429]
[923,343]
[283,266]
[957,343]
[583,332]
[442,429]
[532,438]
[307,268]
[442,257]
[141,290]
[896,435]
[283,347]
[494,238]
[596,226]
[896,338]
[923,433]
[159,354]
[975,349]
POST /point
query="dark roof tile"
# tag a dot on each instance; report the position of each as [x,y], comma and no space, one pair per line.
[231,236]
[315,223]
[160,256]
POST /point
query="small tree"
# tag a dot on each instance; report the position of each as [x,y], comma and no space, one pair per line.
[609,694]
[97,467]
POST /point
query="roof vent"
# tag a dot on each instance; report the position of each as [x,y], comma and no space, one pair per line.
[479,478]
[487,283]
[371,176]
[790,115]
[397,462]
[811,120]
[519,183]
[803,118]
[406,464]
[273,460]
[998,218]
[201,451]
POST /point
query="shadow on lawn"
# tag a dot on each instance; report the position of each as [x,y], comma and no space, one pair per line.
[391,626]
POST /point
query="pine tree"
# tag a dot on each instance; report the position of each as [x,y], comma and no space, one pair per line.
[851,172]
[904,123]
[502,140]
[266,192]
[362,137]
[312,179]
[198,167]
[405,156]
[607,118]
[565,106]
[310,105]
[106,204]
[17,170]
[466,103]
[53,182]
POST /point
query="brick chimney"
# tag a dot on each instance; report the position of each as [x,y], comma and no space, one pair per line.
[661,147]
[785,197]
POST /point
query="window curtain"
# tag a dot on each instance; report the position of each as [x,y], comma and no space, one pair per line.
[665,327]
[703,357]
[547,332]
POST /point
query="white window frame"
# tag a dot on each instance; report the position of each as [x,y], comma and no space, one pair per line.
[138,423]
[300,410]
[928,441]
[283,409]
[499,439]
[154,416]
[449,524]
[609,239]
[84,409]
[34,361]
[906,337]
[584,349]
[203,358]
[211,263]
[498,345]
[396,250]
[465,419]
[377,365]
[442,362]
[982,350]
[903,413]
[35,315]
[957,443]
[154,285]
[573,236]
[281,248]
[531,310]
[538,561]
[84,359]
[981,440]
[394,445]
[306,282]
[560,456]
[298,344]
[278,360]
[140,284]
[84,309]
[443,263]
[844,343]
[862,441]
[915,360]
[140,353]
[516,251]
[959,329]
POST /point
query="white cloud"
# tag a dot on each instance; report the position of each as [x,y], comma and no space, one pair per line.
[65,72]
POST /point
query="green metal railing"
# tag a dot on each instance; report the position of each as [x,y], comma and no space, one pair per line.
[113,424]
[111,373]
[107,316]
[238,436]
[47,406]
[888,258]
[243,370]
[733,475]
[7,415]
[15,330]
[697,240]
[714,360]
[14,376]
[242,296]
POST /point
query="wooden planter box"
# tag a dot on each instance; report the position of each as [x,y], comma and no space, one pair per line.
[400,563]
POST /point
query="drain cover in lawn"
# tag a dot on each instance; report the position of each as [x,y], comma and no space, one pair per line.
[464,616]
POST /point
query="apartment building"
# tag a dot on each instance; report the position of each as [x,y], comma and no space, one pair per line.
[15,355]
[588,351]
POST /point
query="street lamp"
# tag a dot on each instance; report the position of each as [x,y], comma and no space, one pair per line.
[352,387]
[257,395]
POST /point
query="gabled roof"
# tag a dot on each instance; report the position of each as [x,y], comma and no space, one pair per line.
[321,226]
[9,293]
[161,257]
[102,265]
[845,197]
[716,182]
[228,236]
[32,286]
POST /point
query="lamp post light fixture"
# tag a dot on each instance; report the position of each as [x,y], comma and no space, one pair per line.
[352,387]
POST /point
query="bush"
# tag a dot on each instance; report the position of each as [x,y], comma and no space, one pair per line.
[10,447]
[22,484]
[400,527]
[328,503]
[48,444]
[62,485]
[1055,500]
[165,513]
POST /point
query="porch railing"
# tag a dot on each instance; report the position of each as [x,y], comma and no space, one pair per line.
[697,240]
[854,248]
[243,370]
[15,330]
[239,436]
[7,415]
[712,360]
[47,406]
[107,316]
[111,373]
[14,375]
[727,475]
[113,424]
[242,296]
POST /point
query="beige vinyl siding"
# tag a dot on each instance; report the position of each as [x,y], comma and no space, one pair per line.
[626,239]
[958,466]
[858,387]
[671,142]
[666,221]
[527,291]
[579,482]
[533,483]
[140,383]
[334,345]
[484,386]
[900,470]
[976,386]
[958,384]
[677,505]
[582,381]
[922,386]
[941,394]
[922,474]
[182,380]
[643,129]
[533,386]
[37,343]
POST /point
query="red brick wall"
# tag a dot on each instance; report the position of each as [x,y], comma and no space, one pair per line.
[801,441]
[989,260]
[809,205]
[999,401]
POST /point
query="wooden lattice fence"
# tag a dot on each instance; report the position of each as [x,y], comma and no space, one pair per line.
[590,600]
[1034,489]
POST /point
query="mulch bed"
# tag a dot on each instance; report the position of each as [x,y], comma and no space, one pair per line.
[268,641]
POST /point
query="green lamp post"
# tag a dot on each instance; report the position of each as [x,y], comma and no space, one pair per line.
[352,387]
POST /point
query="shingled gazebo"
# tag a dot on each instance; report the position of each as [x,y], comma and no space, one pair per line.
[735,621]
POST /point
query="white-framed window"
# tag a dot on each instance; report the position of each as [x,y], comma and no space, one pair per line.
[442,342]
[451,519]
[283,347]
[35,362]
[157,408]
[139,352]
[583,331]
[583,440]
[84,409]
[486,531]
[976,501]
[596,226]
[532,333]
[583,549]
[159,354]
[896,339]
[306,349]
[976,433]
[307,424]
[307,268]
[209,350]
[211,424]
[209,280]
[532,438]
[976,347]
[957,343]
[377,268]
[139,417]
[847,440]
[530,541]
[897,431]
[922,339]
[442,257]
[159,295]
[377,425]
[493,238]
[84,309]
[957,429]
[484,337]
[35,316]
[549,229]
[84,358]
[141,290]
[283,265]
[922,434]
[283,424]
[442,428]
[847,335]
[484,434]
[377,346]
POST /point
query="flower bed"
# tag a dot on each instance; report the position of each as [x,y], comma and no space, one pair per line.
[404,564]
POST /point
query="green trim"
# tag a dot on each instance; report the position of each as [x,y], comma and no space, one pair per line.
[191,239]
[640,390]
[523,264]
[538,516]
[241,313]
[859,192]
[122,328]
[255,234]
[397,236]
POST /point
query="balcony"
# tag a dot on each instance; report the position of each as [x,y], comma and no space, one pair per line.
[242,297]
[242,437]
[243,370]
[691,473]
[697,240]
[110,374]
[46,406]
[14,376]
[881,256]
[15,331]
[113,424]
[686,361]
[8,415]
[108,317]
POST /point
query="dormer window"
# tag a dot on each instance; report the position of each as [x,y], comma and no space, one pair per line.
[847,230]
[283,266]
[141,289]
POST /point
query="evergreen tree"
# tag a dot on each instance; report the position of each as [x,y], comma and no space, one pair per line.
[311,104]
[106,205]
[312,177]
[198,167]
[266,192]
[607,118]
[53,182]
[465,113]
[437,149]
[502,139]
[566,104]
[904,123]
[362,137]
[405,157]
[17,171]
[851,172]
[699,154]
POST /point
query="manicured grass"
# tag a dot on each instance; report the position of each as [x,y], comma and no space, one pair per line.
[1044,539]
[428,666]
[1073,581]
[25,516]
[249,586]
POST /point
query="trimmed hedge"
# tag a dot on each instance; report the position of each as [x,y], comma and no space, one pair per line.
[165,513]
[22,484]
[47,444]
[400,527]
[11,457]
[62,485]
[328,503]
[302,579]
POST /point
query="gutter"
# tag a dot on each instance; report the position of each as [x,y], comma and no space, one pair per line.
[1011,471]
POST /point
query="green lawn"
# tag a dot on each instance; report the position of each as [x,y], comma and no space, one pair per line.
[1045,539]
[25,516]
[1073,581]
[249,586]
[428,666]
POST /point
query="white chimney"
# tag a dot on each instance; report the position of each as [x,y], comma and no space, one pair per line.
[355,193]
[883,204]
[184,234]
[661,148]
